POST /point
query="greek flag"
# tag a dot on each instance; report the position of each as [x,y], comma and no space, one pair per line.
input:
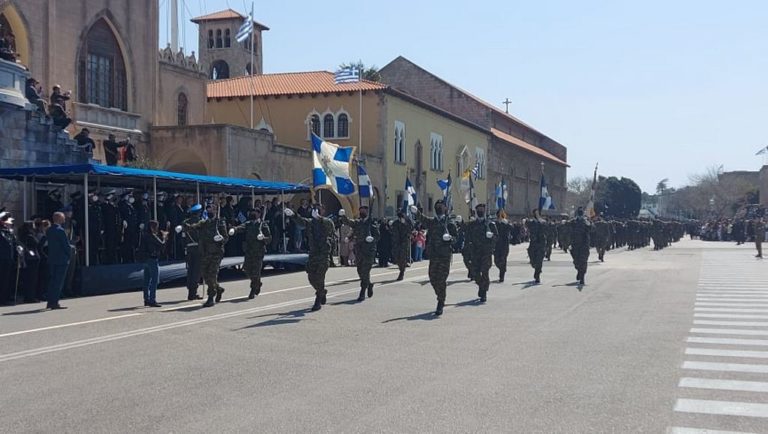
[331,166]
[364,181]
[545,200]
[347,75]
[476,170]
[445,186]
[410,196]
[245,30]
[501,195]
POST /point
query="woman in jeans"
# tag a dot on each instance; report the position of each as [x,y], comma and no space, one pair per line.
[420,240]
[152,244]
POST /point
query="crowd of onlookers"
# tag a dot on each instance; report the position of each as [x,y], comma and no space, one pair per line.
[738,230]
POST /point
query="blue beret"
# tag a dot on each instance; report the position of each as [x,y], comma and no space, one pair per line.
[196,208]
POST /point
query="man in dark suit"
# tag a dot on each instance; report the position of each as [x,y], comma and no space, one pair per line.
[59,255]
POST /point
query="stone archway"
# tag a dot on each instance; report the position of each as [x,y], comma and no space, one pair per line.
[10,16]
[185,162]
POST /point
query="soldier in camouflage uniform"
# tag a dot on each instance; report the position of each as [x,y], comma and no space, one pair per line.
[482,235]
[759,229]
[581,230]
[466,252]
[213,236]
[537,247]
[441,233]
[366,233]
[401,230]
[320,233]
[192,255]
[602,237]
[564,235]
[257,238]
[501,250]
[551,233]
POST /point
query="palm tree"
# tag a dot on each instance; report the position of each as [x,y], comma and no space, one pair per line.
[662,185]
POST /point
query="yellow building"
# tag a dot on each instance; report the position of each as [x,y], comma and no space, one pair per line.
[395,135]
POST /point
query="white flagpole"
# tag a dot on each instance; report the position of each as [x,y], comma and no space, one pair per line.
[252,66]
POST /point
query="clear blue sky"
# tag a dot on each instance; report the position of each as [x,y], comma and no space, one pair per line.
[652,89]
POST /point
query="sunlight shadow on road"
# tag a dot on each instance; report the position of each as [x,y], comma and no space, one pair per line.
[428,316]
[293,317]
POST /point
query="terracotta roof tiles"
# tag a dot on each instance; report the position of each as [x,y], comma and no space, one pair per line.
[297,83]
[526,146]
[226,14]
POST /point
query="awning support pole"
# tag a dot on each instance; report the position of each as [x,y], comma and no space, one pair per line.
[87,224]
[282,214]
[154,187]
[24,193]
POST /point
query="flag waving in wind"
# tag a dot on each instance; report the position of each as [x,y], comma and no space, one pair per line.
[445,186]
[364,181]
[545,200]
[245,30]
[347,75]
[331,165]
[410,196]
[591,205]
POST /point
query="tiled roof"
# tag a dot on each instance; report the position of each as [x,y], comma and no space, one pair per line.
[296,83]
[526,146]
[227,14]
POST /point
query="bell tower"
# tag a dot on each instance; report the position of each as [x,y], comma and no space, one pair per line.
[220,53]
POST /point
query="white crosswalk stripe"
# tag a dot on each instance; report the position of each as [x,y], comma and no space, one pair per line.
[724,375]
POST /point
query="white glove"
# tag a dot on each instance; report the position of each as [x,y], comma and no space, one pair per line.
[125,224]
[20,250]
[260,237]
[346,239]
[218,238]
[391,222]
[288,212]
[459,219]
[141,226]
[231,232]
[342,213]
[178,229]
[505,221]
[489,235]
[369,239]
[315,213]
[414,210]
[447,237]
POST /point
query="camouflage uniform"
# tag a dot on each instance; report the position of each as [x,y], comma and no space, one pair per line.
[759,237]
[365,252]
[211,252]
[254,249]
[481,250]
[581,230]
[320,233]
[466,252]
[537,247]
[602,237]
[564,236]
[550,231]
[440,251]
[401,243]
[192,256]
[501,250]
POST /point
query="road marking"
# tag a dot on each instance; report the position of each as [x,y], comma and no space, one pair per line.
[726,353]
[734,293]
[724,408]
[729,332]
[726,367]
[716,384]
[684,430]
[731,297]
[60,326]
[727,341]
[729,315]
[729,309]
[726,304]
[732,323]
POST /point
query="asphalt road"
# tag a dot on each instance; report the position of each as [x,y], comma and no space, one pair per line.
[626,353]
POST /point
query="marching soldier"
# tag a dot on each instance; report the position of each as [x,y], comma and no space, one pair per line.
[482,234]
[581,229]
[602,237]
[401,242]
[537,247]
[551,233]
[320,232]
[257,238]
[366,233]
[441,233]
[192,255]
[213,236]
[466,250]
[759,237]
[501,250]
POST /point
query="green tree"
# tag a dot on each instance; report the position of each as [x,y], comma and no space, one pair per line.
[618,197]
[370,73]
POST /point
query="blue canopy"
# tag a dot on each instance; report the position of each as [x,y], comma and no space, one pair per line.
[127,176]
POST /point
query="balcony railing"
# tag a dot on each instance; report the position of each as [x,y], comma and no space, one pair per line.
[13,79]
[92,115]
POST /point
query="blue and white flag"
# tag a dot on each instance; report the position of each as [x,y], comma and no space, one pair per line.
[245,30]
[501,195]
[476,170]
[364,181]
[545,200]
[445,186]
[410,196]
[331,164]
[347,75]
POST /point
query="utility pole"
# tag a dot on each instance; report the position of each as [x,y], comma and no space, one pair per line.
[506,103]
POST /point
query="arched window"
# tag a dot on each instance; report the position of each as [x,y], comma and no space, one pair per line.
[181,109]
[219,70]
[342,128]
[210,38]
[314,124]
[219,42]
[102,78]
[227,39]
[328,126]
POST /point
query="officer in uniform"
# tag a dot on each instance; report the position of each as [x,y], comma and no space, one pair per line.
[112,227]
[257,238]
[441,233]
[537,246]
[192,255]
[482,235]
[366,234]
[501,250]
[130,228]
[320,232]
[95,227]
[213,236]
[401,230]
[581,231]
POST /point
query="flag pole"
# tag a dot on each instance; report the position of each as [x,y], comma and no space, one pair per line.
[253,33]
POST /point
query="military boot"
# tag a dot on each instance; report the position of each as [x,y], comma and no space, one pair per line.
[482,295]
[361,297]
[439,310]
[370,289]
[255,290]
[193,295]
[219,292]
[323,296]
[501,276]
[209,302]
[401,275]
[537,276]
[317,306]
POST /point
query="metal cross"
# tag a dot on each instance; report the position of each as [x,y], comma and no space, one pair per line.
[506,103]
